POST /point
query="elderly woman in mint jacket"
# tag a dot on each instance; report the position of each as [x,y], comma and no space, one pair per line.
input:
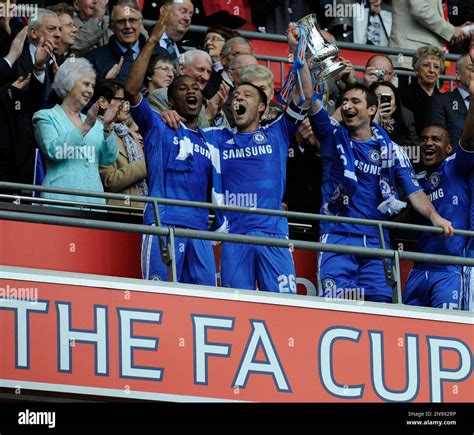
[74,144]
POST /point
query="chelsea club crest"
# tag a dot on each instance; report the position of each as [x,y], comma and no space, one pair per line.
[259,137]
[329,284]
[374,156]
[434,180]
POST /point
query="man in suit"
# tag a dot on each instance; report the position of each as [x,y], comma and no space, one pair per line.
[177,25]
[420,22]
[92,24]
[36,62]
[126,41]
[6,127]
[68,30]
[450,109]
[198,65]
[20,100]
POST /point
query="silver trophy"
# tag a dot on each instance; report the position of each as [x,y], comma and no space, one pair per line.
[319,53]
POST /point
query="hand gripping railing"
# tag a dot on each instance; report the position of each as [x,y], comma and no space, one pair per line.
[167,247]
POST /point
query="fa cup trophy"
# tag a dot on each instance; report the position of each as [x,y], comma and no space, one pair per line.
[320,54]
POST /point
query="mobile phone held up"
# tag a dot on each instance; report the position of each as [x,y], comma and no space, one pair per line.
[385,98]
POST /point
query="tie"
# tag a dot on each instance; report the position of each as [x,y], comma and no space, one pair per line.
[127,62]
[170,48]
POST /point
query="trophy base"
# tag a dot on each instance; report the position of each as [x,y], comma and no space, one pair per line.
[328,69]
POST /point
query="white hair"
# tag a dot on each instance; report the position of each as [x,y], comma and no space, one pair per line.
[36,22]
[70,72]
[189,57]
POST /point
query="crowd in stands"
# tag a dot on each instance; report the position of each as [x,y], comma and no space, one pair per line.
[90,99]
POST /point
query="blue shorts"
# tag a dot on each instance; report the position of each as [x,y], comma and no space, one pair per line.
[271,268]
[195,261]
[343,276]
[437,289]
[467,298]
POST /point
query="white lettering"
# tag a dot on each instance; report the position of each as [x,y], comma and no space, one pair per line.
[37,418]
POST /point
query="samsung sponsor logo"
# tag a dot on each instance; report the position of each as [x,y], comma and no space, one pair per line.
[437,194]
[368,168]
[201,150]
[247,152]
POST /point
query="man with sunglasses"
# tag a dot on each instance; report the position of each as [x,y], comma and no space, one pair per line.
[124,45]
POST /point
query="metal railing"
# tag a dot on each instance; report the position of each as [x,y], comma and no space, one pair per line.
[167,246]
[341,44]
[272,37]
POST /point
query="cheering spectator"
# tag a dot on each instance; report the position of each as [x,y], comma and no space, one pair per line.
[124,45]
[214,41]
[160,72]
[427,62]
[450,109]
[8,94]
[397,121]
[10,26]
[177,25]
[65,13]
[74,144]
[35,63]
[92,24]
[127,174]
[197,64]
[6,63]
[46,27]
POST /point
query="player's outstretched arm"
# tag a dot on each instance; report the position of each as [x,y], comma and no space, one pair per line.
[136,74]
[305,75]
[423,206]
[467,139]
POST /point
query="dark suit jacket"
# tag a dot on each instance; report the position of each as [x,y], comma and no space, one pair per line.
[6,39]
[213,84]
[303,181]
[16,128]
[6,72]
[414,98]
[449,110]
[105,57]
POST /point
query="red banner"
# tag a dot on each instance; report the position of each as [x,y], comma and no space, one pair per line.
[85,334]
[109,253]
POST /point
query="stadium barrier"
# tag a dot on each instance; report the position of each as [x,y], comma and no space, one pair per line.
[100,337]
[391,257]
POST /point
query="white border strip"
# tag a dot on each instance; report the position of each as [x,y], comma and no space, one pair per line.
[310,302]
[108,392]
